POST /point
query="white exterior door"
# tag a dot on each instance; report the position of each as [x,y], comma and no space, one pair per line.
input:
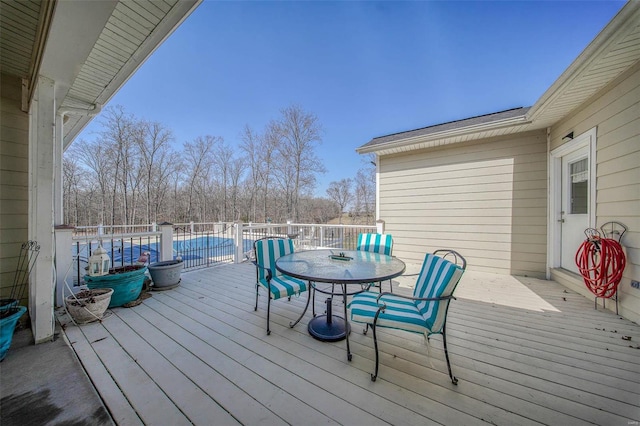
[575,206]
[572,203]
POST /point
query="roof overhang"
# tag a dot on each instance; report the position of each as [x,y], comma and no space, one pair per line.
[435,138]
[615,50]
[89,49]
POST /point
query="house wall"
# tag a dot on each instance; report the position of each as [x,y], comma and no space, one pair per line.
[615,112]
[14,178]
[486,199]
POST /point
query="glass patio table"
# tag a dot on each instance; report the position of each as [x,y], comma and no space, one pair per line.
[347,270]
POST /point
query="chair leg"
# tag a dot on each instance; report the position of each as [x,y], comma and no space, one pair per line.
[374,376]
[454,379]
[257,288]
[391,286]
[303,312]
[268,314]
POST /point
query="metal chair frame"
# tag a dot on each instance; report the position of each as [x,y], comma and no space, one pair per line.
[457,257]
[269,277]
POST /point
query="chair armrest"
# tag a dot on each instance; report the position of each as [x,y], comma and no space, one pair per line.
[417,299]
[269,274]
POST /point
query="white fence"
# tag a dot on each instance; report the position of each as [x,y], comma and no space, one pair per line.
[200,245]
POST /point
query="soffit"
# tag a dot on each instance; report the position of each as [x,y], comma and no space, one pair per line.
[132,33]
[19,22]
[615,50]
[90,49]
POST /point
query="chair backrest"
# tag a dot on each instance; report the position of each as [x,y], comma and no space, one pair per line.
[438,278]
[375,243]
[267,251]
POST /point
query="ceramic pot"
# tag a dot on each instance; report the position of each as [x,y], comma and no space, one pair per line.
[88,305]
[165,275]
[125,281]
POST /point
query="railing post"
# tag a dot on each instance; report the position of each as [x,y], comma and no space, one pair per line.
[289,228]
[321,236]
[63,259]
[166,241]
[380,226]
[191,226]
[154,227]
[237,242]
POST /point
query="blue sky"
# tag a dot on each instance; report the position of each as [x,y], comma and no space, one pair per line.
[366,69]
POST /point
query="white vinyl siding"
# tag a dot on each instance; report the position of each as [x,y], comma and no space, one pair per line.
[486,199]
[615,112]
[14,178]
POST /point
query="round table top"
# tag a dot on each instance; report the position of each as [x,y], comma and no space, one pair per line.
[318,265]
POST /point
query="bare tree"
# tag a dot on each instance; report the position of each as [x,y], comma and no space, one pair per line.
[365,192]
[94,158]
[340,192]
[223,156]
[199,158]
[154,149]
[300,133]
[72,178]
[267,159]
[251,146]
[236,171]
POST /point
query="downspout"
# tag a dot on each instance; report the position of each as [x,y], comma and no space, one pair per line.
[58,216]
[549,216]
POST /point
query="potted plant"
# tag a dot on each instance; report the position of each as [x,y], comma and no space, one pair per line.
[88,305]
[9,316]
[126,282]
[166,275]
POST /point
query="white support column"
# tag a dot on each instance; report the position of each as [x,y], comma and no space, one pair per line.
[42,141]
[380,226]
[64,261]
[166,241]
[238,243]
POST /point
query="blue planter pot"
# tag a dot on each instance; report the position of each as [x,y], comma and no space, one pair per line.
[7,327]
[126,285]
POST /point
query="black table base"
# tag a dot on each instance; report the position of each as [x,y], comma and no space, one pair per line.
[329,329]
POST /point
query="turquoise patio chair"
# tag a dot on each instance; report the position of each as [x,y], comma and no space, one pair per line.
[376,243]
[267,251]
[425,312]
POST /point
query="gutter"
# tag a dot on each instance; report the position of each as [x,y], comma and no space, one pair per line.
[403,143]
[91,111]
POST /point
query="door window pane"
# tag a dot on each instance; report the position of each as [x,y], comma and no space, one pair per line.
[579,175]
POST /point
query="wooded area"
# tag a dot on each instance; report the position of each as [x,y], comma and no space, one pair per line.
[134,172]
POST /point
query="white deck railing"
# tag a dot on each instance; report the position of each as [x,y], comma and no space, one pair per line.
[200,245]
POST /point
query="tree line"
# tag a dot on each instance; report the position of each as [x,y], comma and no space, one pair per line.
[133,171]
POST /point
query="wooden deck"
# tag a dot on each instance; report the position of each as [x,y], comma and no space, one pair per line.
[525,351]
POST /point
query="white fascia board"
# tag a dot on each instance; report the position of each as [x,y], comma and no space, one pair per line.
[437,136]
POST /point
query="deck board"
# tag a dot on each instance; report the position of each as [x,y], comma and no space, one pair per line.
[526,352]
